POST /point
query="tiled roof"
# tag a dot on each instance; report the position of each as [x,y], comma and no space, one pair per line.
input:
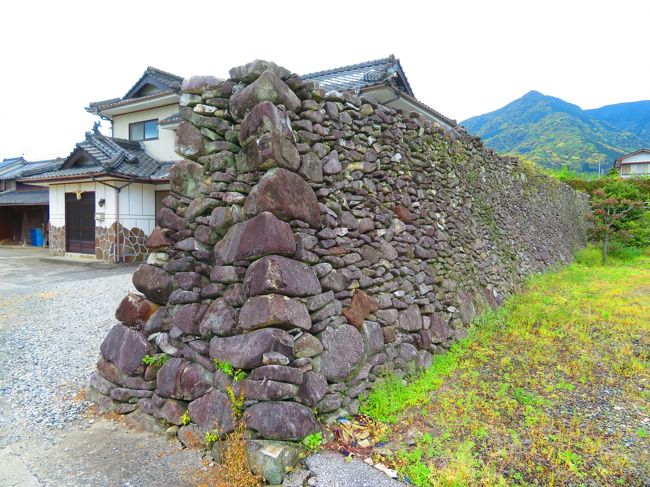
[18,167]
[99,154]
[161,79]
[357,76]
[18,198]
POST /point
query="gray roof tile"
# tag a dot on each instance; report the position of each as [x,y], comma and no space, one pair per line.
[100,154]
[24,198]
[357,76]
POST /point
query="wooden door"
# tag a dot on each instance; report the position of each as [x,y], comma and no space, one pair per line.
[80,222]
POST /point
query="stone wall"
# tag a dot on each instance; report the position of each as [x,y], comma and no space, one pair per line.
[316,241]
[132,243]
[57,241]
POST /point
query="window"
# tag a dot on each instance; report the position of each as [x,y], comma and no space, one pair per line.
[147,130]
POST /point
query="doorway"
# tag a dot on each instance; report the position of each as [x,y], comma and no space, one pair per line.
[80,222]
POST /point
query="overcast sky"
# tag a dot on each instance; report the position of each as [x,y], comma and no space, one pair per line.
[462,57]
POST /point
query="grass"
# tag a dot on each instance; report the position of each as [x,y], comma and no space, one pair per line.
[551,389]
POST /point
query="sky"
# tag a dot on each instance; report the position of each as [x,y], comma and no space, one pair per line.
[462,57]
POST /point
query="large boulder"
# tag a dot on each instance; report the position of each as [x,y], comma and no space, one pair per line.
[185,178]
[153,282]
[167,218]
[313,388]
[267,87]
[273,310]
[343,352]
[275,274]
[265,117]
[251,71]
[189,141]
[266,151]
[247,351]
[286,195]
[281,420]
[126,348]
[259,236]
[199,83]
[185,320]
[212,412]
[180,379]
[220,319]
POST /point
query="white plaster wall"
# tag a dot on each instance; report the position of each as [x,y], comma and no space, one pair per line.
[137,204]
[162,148]
[137,207]
[57,205]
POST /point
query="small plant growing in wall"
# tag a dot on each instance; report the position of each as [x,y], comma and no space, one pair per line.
[157,360]
[313,441]
[227,368]
[185,419]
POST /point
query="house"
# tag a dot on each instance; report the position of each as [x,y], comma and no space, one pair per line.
[634,164]
[23,207]
[104,197]
[385,81]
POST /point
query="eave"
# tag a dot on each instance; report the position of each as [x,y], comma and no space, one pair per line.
[136,104]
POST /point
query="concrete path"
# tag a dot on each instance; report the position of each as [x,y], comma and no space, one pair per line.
[21,269]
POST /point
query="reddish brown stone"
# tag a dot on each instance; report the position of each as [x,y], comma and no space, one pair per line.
[281,420]
[212,412]
[259,236]
[362,305]
[180,379]
[404,214]
[273,310]
[286,195]
[126,348]
[338,251]
[153,282]
[134,310]
[279,275]
[246,351]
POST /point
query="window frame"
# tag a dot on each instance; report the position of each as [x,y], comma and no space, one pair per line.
[143,123]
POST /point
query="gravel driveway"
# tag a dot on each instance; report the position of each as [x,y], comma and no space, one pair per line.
[53,318]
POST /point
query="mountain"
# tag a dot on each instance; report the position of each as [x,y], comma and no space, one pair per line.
[554,133]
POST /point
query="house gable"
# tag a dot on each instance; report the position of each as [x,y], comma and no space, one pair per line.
[153,81]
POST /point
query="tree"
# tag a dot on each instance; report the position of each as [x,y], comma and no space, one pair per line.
[614,206]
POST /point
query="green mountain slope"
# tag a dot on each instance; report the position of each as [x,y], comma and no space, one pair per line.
[554,133]
[631,117]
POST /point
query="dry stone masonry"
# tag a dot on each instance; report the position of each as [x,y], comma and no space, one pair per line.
[318,240]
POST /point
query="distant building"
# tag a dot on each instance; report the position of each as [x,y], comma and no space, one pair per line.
[634,164]
[23,207]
